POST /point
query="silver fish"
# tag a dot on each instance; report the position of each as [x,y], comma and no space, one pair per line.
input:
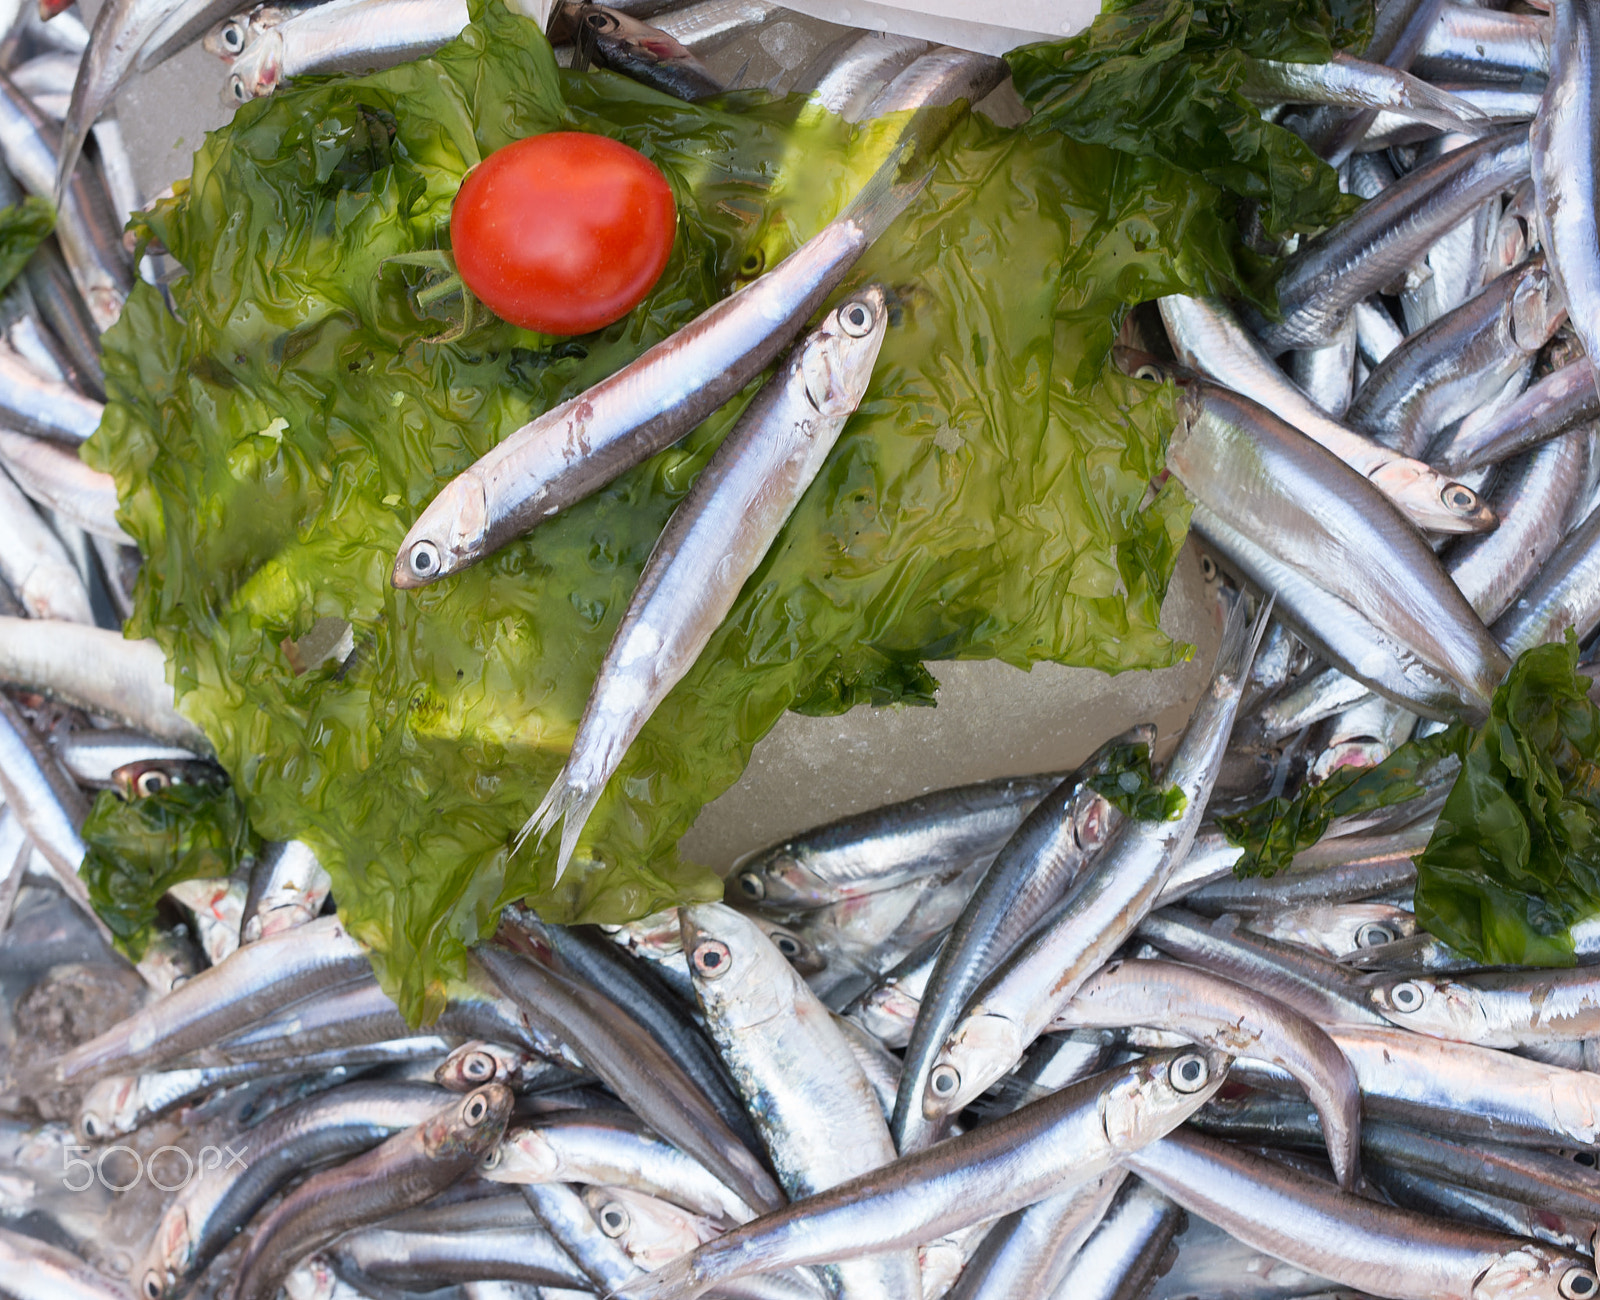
[431,1260]
[1354,83]
[36,403]
[1562,400]
[1564,593]
[809,1099]
[854,78]
[288,887]
[580,445]
[1128,1250]
[34,563]
[1206,337]
[1349,1239]
[714,541]
[1461,360]
[1565,180]
[1298,501]
[1337,929]
[1469,43]
[1497,1008]
[55,477]
[1068,1138]
[1015,1003]
[36,1270]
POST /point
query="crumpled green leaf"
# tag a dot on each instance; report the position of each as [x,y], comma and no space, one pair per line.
[23,227]
[1515,858]
[1273,831]
[139,849]
[1159,81]
[273,440]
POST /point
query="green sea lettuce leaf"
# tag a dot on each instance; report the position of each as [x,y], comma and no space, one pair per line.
[275,432]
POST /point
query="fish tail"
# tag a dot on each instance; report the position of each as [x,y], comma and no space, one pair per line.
[567,802]
[882,199]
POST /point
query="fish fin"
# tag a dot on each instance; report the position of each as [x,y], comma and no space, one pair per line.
[1241,637]
[568,803]
[881,199]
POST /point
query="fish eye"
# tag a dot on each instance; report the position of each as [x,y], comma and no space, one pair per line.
[786,944]
[232,36]
[752,886]
[755,262]
[614,1220]
[600,22]
[152,1286]
[1374,934]
[236,84]
[476,1108]
[423,560]
[1578,1284]
[478,1065]
[91,1126]
[1150,372]
[493,1159]
[1190,1072]
[944,1081]
[1208,568]
[1584,1158]
[856,318]
[712,958]
[1406,997]
[1459,498]
[150,782]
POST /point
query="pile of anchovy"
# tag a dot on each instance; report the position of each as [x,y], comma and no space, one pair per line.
[998,1042]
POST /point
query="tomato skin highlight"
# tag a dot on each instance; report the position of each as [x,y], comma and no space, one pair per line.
[563,233]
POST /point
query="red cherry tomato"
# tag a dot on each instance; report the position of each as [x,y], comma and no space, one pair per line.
[563,233]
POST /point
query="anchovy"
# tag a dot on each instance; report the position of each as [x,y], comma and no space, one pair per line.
[1538,500]
[1497,1009]
[1501,104]
[1020,997]
[1327,374]
[1337,929]
[1218,1013]
[636,1068]
[477,1062]
[855,76]
[1350,1239]
[650,1231]
[96,670]
[714,541]
[56,478]
[1565,592]
[34,563]
[1068,1138]
[63,310]
[38,404]
[254,981]
[1565,179]
[1207,338]
[222,1197]
[1026,1255]
[1038,866]
[1552,406]
[1348,82]
[395,1175]
[1461,360]
[1472,44]
[1128,1251]
[37,1270]
[639,50]
[336,35]
[888,1009]
[580,445]
[612,1148]
[890,846]
[1470,1207]
[816,1112]
[1360,256]
[1297,500]
[428,1260]
[942,77]
[288,887]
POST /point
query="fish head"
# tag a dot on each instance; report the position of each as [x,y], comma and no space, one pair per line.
[472,1127]
[109,1106]
[448,536]
[1440,1008]
[836,362]
[474,1064]
[524,1155]
[1431,500]
[778,877]
[228,38]
[1158,1093]
[1538,307]
[258,69]
[651,1231]
[799,951]
[1534,1271]
[170,1257]
[739,977]
[983,1047]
